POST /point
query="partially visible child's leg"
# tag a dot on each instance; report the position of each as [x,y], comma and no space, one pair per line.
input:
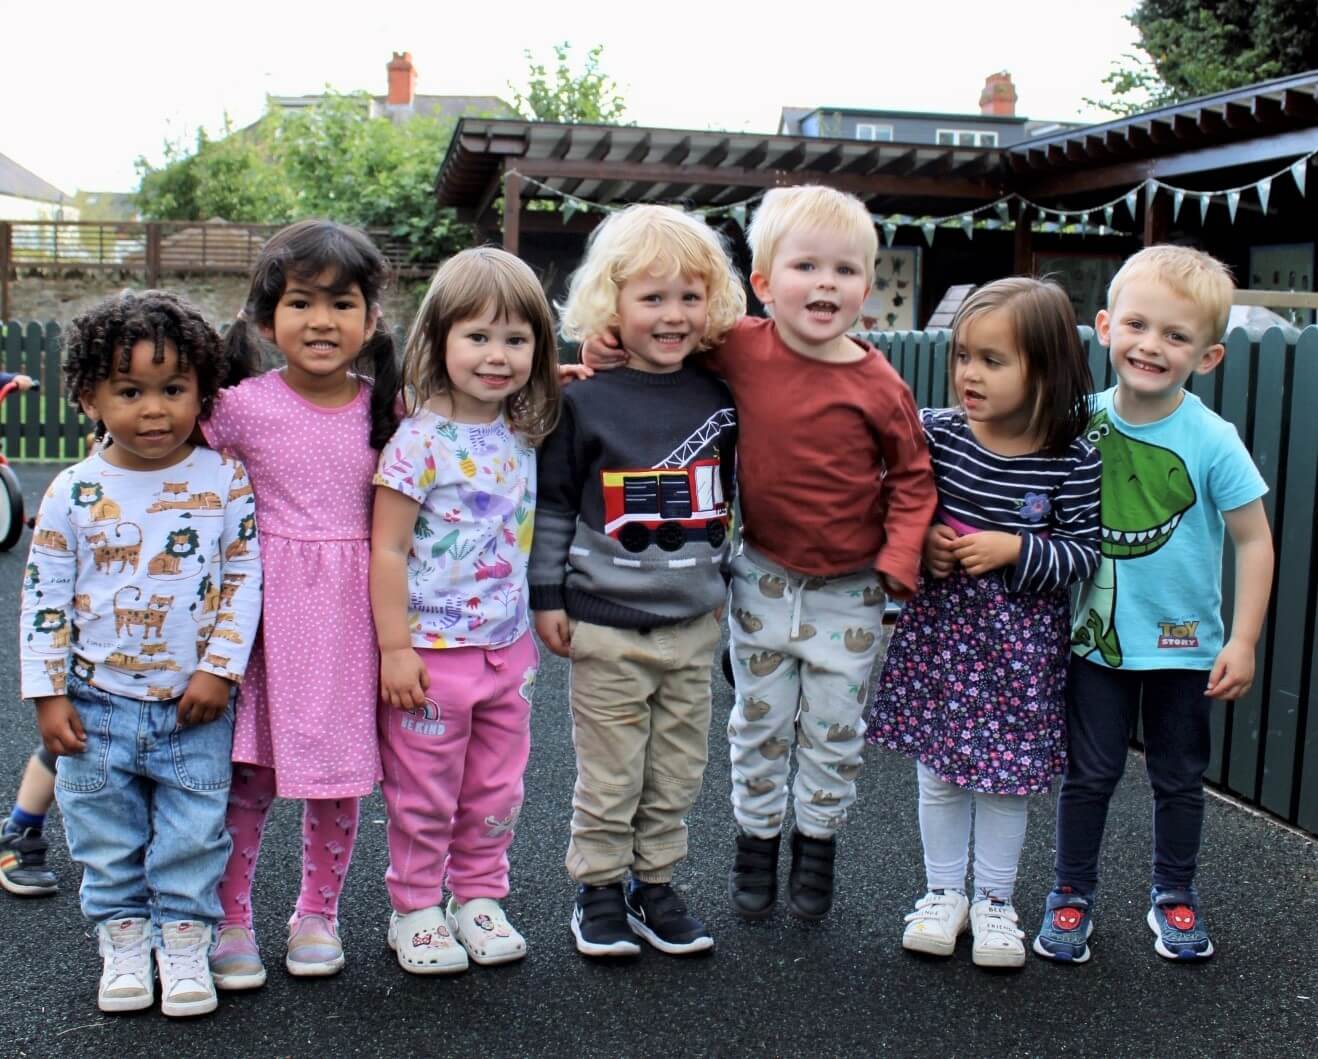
[1177,744]
[23,847]
[1000,821]
[489,804]
[423,757]
[329,832]
[940,916]
[250,797]
[1100,711]
[675,759]
[615,673]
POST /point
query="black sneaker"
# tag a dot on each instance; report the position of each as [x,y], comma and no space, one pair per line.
[599,922]
[23,868]
[810,882]
[753,881]
[659,915]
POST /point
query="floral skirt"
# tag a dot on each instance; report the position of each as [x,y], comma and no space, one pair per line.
[974,686]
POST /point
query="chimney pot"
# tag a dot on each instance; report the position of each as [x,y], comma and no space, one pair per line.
[402,79]
[999,96]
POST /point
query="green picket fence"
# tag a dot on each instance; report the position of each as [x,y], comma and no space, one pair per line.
[1265,750]
[1265,746]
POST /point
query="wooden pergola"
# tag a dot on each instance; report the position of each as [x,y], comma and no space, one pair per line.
[1210,143]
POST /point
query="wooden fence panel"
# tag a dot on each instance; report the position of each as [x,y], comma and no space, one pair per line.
[34,362]
[11,410]
[52,400]
[1306,397]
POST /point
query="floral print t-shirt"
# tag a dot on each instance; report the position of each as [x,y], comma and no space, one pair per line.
[466,571]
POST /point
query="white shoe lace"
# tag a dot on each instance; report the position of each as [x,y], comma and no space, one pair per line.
[130,958]
[183,965]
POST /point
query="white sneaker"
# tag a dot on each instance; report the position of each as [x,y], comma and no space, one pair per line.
[127,983]
[182,958]
[424,943]
[938,920]
[484,931]
[998,942]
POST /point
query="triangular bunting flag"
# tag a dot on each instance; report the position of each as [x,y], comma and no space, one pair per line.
[1297,171]
[1132,202]
[1232,201]
[566,210]
[1264,188]
[1204,201]
[1004,210]
[993,224]
[739,214]
[928,229]
[1107,214]
[889,232]
[968,225]
[1177,199]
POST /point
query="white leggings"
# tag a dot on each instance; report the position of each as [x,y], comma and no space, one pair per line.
[945,830]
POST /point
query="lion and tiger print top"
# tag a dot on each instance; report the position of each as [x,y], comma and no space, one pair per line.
[136,579]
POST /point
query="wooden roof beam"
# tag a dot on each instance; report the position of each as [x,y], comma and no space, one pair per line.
[677,154]
[1265,109]
[792,158]
[902,160]
[716,154]
[602,147]
[755,156]
[639,149]
[864,163]
[1298,105]
[1161,132]
[1211,122]
[829,161]
[1238,116]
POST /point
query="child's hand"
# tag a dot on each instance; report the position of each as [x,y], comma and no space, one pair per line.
[571,372]
[60,726]
[204,699]
[554,631]
[895,589]
[23,382]
[1233,671]
[938,556]
[602,352]
[403,678]
[988,550]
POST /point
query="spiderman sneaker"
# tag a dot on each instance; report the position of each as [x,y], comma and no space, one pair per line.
[1067,924]
[1174,918]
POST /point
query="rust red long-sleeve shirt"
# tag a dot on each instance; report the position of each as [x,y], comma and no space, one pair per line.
[832,466]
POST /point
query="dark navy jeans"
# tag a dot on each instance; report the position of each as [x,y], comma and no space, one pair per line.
[1102,705]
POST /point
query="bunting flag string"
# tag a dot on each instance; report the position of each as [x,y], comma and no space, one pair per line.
[1047,218]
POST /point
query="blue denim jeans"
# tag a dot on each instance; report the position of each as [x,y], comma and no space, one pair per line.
[144,808]
[1102,705]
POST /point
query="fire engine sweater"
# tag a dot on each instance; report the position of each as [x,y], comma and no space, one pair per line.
[636,483]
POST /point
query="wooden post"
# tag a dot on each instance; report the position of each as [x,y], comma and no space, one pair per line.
[1023,259]
[512,210]
[153,254]
[1157,216]
[6,254]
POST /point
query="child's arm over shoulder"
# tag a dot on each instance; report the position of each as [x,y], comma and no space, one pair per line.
[222,429]
[1233,669]
[240,569]
[560,466]
[908,488]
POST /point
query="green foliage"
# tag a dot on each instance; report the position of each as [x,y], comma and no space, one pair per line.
[327,160]
[1198,47]
[589,97]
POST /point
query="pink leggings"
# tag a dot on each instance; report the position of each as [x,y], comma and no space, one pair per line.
[329,829]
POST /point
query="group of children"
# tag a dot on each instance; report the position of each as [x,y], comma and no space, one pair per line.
[380,631]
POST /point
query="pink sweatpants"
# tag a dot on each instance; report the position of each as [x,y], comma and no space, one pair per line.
[453,774]
[329,831]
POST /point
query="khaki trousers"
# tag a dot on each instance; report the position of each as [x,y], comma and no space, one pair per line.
[640,725]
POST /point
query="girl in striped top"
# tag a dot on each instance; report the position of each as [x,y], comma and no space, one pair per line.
[975,678]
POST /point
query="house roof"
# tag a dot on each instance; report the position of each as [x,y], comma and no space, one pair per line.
[24,184]
[428,106]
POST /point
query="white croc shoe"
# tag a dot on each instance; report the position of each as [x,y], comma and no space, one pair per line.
[938,920]
[998,941]
[424,943]
[484,931]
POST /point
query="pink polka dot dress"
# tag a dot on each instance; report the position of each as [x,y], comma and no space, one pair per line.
[307,704]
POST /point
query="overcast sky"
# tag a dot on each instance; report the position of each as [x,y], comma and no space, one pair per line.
[87,87]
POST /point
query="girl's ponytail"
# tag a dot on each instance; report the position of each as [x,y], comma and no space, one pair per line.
[382,359]
[242,351]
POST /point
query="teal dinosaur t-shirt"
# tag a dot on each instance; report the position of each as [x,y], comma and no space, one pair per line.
[1155,601]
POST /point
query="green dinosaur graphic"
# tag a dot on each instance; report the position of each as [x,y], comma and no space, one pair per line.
[1146,490]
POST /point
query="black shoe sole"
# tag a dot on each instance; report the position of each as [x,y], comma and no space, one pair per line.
[801,913]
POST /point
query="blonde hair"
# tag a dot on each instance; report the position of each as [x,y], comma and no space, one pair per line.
[1192,274]
[811,207]
[466,287]
[645,239]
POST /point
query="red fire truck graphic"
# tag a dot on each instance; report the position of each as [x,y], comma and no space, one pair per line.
[679,500]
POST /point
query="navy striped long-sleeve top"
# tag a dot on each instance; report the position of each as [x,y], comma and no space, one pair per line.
[1051,501]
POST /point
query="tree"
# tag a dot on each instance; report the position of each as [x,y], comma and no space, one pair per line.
[327,160]
[1198,47]
[590,97]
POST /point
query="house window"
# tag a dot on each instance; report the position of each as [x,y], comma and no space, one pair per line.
[966,138]
[874,132]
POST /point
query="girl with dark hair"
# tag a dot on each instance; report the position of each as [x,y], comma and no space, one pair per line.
[974,683]
[308,433]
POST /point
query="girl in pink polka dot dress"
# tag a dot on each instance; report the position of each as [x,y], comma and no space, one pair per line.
[308,434]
